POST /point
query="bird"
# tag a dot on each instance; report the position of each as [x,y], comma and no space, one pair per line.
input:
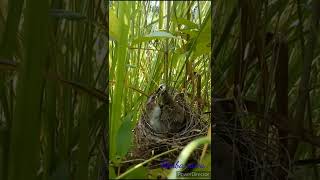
[172,111]
[165,112]
[153,113]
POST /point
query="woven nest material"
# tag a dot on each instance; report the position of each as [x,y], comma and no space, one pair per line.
[148,142]
[254,156]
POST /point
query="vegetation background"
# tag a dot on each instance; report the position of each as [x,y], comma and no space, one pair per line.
[268,52]
[54,78]
[53,97]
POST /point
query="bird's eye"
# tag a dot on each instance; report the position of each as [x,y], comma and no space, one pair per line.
[162,87]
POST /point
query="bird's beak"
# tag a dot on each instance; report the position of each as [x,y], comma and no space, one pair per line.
[158,92]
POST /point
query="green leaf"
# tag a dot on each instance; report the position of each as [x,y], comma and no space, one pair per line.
[155,173]
[206,162]
[124,136]
[203,45]
[188,23]
[139,173]
[26,125]
[119,63]
[152,36]
[66,14]
[186,152]
[114,29]
[112,174]
[193,33]
[131,66]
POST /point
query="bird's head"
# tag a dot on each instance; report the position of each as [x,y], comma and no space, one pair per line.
[162,88]
[151,101]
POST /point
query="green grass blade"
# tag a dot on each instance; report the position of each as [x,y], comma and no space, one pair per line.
[120,63]
[25,144]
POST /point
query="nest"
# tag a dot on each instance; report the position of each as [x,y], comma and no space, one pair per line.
[148,143]
[255,155]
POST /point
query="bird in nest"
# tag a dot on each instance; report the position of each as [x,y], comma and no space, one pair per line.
[166,110]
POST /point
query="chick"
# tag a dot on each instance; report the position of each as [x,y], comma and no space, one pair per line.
[172,113]
[153,113]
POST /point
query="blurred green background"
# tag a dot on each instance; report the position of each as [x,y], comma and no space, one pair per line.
[53,97]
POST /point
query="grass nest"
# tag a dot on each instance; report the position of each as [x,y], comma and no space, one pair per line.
[148,143]
[253,155]
[250,154]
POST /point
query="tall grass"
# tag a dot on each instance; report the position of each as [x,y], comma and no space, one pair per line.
[53,90]
[25,127]
[268,50]
[151,43]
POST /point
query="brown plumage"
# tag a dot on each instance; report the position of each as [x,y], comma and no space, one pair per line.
[165,110]
[172,111]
